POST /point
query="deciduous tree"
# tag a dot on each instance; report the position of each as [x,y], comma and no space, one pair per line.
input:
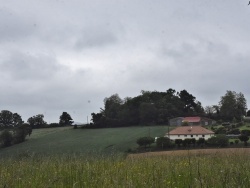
[65,119]
[232,105]
[37,121]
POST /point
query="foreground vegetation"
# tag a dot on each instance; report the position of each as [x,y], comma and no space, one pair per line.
[228,169]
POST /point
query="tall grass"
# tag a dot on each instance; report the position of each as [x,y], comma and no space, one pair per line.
[213,170]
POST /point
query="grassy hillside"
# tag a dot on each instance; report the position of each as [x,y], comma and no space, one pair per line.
[67,140]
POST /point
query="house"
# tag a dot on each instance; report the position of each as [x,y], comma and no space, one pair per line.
[184,132]
[176,121]
[202,121]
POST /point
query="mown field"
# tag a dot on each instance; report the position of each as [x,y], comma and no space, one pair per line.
[67,140]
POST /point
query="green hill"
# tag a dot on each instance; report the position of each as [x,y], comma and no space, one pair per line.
[67,140]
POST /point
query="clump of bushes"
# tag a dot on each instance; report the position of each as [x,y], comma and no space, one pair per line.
[145,141]
[17,135]
[218,140]
[244,138]
[6,138]
[164,142]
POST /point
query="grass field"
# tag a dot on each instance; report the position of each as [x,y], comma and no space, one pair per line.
[67,140]
[223,169]
[65,157]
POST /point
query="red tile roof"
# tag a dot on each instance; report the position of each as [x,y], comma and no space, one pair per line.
[189,130]
[192,119]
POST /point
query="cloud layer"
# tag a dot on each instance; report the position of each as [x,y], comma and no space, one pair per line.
[60,55]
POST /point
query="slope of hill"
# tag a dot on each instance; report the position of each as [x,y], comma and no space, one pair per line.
[67,140]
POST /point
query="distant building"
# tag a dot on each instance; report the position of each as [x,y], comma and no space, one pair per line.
[184,132]
[176,121]
[192,121]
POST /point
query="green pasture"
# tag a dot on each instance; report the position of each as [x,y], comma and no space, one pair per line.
[66,140]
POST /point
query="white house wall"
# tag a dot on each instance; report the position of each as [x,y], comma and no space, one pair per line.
[173,137]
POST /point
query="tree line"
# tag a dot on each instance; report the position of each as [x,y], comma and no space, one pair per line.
[156,108]
[13,129]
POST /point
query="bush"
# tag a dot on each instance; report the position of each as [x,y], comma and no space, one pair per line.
[221,130]
[201,141]
[163,142]
[245,132]
[218,140]
[21,132]
[234,131]
[236,141]
[244,138]
[145,141]
[6,138]
[178,142]
[19,136]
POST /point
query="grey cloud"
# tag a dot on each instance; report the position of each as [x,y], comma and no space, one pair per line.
[14,27]
[95,37]
[57,55]
[22,66]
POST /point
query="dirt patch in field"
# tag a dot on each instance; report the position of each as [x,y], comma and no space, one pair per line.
[224,151]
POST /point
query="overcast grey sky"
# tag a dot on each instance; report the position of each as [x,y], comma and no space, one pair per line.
[68,55]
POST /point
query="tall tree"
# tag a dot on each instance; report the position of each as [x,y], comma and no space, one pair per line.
[6,119]
[232,105]
[112,106]
[65,119]
[241,104]
[17,120]
[37,121]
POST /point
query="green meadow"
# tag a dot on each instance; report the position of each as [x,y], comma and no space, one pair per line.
[67,140]
[203,170]
[67,157]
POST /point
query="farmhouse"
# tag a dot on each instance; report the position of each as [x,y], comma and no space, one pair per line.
[184,132]
[191,121]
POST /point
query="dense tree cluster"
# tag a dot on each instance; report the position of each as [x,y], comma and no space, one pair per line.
[156,108]
[13,130]
[147,109]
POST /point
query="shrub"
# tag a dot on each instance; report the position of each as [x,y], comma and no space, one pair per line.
[234,131]
[236,141]
[244,138]
[163,142]
[201,141]
[218,140]
[193,141]
[145,141]
[245,132]
[178,142]
[186,142]
[6,138]
[221,130]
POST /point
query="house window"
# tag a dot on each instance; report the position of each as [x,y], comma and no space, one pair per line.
[203,135]
[178,135]
[192,136]
[197,135]
[185,135]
